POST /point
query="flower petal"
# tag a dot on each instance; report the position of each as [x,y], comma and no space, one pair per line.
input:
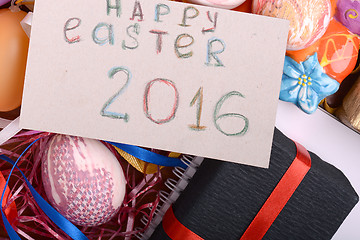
[325,86]
[292,68]
[311,64]
[322,84]
[289,89]
[308,90]
[308,99]
[287,82]
[318,73]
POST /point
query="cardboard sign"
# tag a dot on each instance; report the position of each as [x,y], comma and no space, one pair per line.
[157,74]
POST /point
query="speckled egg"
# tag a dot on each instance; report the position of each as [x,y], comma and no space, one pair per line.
[83,180]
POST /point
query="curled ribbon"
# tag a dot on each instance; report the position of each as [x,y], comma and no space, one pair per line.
[55,216]
[70,229]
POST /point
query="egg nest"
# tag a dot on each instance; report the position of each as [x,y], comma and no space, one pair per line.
[140,202]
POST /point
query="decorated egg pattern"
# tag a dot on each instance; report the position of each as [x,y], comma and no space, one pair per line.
[338,51]
[309,19]
[348,14]
[83,180]
[321,51]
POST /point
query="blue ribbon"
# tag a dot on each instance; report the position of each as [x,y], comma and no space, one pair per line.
[55,216]
[69,228]
[150,157]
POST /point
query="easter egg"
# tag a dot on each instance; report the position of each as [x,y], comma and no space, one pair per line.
[227,4]
[82,179]
[303,54]
[244,7]
[309,19]
[338,51]
[13,54]
[347,13]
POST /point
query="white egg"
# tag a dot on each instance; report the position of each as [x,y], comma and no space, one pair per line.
[83,180]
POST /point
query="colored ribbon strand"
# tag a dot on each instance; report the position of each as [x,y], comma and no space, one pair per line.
[149,157]
[55,216]
[11,211]
[175,230]
[280,195]
[69,228]
[141,166]
[268,212]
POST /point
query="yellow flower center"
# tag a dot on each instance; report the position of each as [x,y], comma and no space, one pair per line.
[303,80]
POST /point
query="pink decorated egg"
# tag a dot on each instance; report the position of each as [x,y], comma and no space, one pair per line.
[309,19]
[227,4]
[83,180]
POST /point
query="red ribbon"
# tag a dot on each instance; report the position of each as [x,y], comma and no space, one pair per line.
[11,211]
[280,196]
[268,212]
[175,230]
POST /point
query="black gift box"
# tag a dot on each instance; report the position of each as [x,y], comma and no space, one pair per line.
[223,198]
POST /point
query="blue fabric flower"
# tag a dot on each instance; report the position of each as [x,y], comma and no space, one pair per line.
[305,84]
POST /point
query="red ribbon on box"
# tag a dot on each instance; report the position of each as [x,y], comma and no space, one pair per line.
[268,212]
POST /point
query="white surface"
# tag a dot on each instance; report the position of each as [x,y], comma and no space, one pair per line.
[4,122]
[26,23]
[10,129]
[331,141]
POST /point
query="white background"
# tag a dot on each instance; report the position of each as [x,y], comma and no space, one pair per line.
[333,142]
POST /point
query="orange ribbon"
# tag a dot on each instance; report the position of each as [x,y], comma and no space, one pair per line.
[268,212]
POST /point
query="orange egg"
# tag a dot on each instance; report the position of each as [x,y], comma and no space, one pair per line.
[338,51]
[13,54]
